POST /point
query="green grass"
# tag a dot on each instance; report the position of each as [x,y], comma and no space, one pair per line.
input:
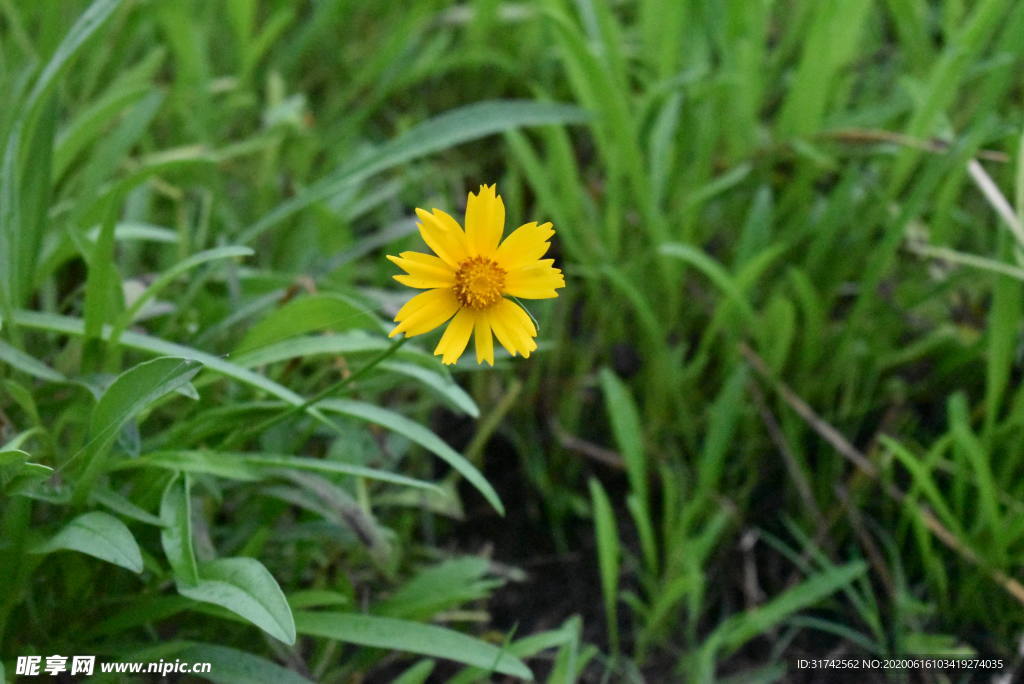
[775,414]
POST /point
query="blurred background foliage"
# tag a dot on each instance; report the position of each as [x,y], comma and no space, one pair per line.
[775,414]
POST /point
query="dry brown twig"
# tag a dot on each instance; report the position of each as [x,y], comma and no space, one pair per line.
[573,443]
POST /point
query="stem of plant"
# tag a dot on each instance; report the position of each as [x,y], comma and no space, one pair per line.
[235,439]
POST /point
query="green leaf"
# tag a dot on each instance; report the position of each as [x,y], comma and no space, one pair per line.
[322,311]
[626,428]
[715,273]
[132,392]
[120,504]
[442,132]
[25,479]
[250,466]
[25,363]
[13,456]
[97,534]
[351,342]
[721,432]
[167,277]
[137,388]
[440,383]
[231,666]
[19,241]
[440,587]
[228,466]
[92,123]
[987,513]
[316,598]
[628,432]
[414,637]
[607,557]
[565,636]
[176,536]
[738,629]
[338,467]
[416,674]
[1002,331]
[75,326]
[420,435]
[87,24]
[143,609]
[245,587]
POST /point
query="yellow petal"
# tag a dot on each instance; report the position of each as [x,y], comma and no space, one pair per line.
[482,337]
[525,245]
[513,328]
[485,221]
[538,280]
[425,311]
[456,337]
[444,236]
[425,270]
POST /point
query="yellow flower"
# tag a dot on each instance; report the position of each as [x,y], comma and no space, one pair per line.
[471,277]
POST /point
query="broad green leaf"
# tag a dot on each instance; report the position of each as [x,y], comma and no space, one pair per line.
[135,389]
[97,534]
[251,466]
[176,536]
[132,392]
[245,587]
[21,438]
[24,479]
[414,637]
[420,435]
[120,504]
[316,598]
[330,466]
[231,666]
[321,311]
[442,132]
[75,326]
[440,383]
[350,342]
[13,456]
[194,461]
[142,610]
[26,363]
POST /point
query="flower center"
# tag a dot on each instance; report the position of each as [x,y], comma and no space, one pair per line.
[479,282]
